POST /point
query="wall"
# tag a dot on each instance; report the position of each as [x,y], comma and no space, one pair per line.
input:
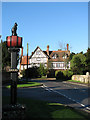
[82,78]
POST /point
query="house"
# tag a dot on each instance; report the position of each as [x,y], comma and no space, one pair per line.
[56,60]
[23,62]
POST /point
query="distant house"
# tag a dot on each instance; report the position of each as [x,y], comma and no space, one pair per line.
[38,57]
[56,60]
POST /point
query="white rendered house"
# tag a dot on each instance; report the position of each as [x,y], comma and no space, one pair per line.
[56,60]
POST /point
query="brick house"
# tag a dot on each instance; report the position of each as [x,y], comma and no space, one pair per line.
[56,60]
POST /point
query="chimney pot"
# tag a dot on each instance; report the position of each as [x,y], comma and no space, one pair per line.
[67,47]
[47,50]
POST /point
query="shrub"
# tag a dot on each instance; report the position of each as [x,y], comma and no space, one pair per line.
[59,75]
[51,73]
[67,74]
[23,72]
[63,75]
[32,72]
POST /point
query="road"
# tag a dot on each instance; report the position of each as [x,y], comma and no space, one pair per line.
[78,93]
[61,92]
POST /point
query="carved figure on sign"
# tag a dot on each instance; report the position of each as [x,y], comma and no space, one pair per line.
[14,29]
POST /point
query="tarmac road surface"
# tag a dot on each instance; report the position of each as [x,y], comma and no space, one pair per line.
[73,95]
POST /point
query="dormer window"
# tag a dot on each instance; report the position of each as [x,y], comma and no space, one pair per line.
[65,56]
[54,56]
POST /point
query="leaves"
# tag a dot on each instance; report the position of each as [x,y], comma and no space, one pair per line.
[78,63]
[6,57]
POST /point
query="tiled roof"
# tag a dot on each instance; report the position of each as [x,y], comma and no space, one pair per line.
[59,55]
[24,60]
[46,52]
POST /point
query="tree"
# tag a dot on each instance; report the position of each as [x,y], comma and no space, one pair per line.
[6,57]
[42,70]
[78,63]
[71,56]
[88,60]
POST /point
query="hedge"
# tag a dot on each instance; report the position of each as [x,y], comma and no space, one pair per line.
[63,75]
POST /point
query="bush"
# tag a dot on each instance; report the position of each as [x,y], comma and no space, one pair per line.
[51,73]
[63,75]
[42,71]
[23,72]
[32,72]
[68,74]
[59,75]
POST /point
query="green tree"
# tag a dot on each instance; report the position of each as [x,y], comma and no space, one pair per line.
[78,63]
[42,70]
[6,57]
[88,60]
[71,56]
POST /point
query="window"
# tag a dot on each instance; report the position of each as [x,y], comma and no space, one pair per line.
[57,65]
[61,65]
[54,56]
[38,59]
[38,53]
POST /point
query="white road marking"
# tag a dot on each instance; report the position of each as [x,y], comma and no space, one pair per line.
[50,89]
[88,108]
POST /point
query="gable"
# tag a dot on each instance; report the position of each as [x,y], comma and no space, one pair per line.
[38,53]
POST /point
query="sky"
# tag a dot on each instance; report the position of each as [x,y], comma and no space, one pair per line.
[47,23]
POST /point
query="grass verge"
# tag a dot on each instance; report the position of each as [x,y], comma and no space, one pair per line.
[45,110]
[28,84]
[75,81]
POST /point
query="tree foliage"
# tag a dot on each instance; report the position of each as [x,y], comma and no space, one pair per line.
[6,57]
[78,63]
[71,56]
[63,75]
[88,60]
[42,70]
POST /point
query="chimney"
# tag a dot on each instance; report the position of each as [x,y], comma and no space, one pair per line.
[22,51]
[47,50]
[67,47]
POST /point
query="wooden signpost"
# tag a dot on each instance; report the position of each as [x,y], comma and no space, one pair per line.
[14,43]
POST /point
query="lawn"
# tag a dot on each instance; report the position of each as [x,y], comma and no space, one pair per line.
[75,81]
[27,84]
[45,110]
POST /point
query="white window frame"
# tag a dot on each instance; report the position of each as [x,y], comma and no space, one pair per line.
[38,59]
